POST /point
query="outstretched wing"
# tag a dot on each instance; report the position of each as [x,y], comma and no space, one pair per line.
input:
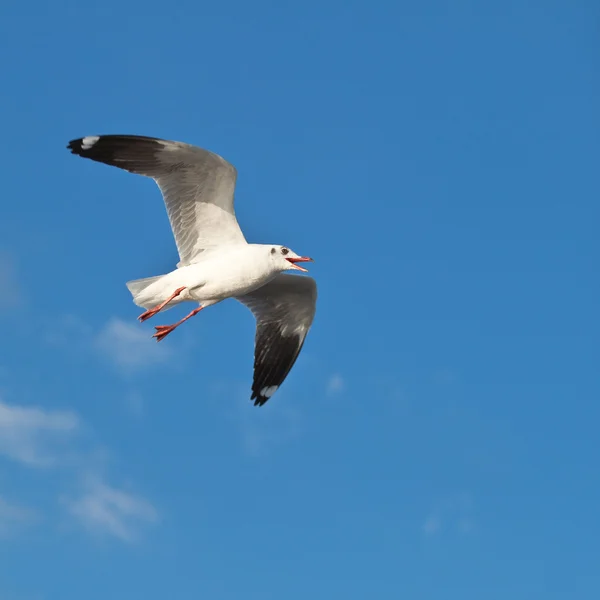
[197,186]
[284,310]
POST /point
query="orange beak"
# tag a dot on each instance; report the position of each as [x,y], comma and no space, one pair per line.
[298,260]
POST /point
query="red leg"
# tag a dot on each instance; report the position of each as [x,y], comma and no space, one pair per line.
[163,330]
[152,311]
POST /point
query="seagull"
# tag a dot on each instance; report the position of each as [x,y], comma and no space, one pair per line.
[215,260]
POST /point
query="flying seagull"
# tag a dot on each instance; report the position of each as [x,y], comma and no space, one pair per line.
[215,260]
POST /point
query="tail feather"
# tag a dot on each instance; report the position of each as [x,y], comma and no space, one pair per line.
[137,286]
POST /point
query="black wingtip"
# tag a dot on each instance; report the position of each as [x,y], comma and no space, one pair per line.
[258,398]
[74,146]
[264,395]
[133,153]
[81,145]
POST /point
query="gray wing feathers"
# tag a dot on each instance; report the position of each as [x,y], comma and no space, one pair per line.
[197,186]
[284,310]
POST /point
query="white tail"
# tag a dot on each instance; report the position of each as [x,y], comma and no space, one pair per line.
[137,286]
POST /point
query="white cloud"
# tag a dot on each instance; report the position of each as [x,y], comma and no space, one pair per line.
[130,347]
[11,295]
[107,510]
[35,437]
[12,515]
[335,385]
[31,435]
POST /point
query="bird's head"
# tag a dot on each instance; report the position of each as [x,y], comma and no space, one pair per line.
[285,259]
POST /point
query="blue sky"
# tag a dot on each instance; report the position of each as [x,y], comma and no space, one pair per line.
[438,437]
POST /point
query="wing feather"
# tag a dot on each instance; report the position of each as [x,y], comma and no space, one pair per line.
[284,310]
[197,186]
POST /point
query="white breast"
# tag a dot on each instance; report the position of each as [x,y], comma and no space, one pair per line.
[235,272]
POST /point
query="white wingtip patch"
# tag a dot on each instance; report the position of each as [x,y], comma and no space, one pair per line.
[89,141]
[267,392]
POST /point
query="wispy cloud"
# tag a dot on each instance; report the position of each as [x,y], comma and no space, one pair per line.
[33,436]
[335,384]
[12,515]
[130,347]
[11,295]
[104,509]
[37,437]
[127,346]
[452,513]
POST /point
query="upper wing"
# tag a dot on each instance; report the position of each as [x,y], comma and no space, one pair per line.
[197,186]
[284,310]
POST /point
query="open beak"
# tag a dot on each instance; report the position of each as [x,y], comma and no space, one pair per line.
[299,259]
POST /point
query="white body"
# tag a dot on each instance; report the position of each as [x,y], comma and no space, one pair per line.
[229,272]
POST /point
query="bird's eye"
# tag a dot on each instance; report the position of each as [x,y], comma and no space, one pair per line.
[284,251]
[273,250]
